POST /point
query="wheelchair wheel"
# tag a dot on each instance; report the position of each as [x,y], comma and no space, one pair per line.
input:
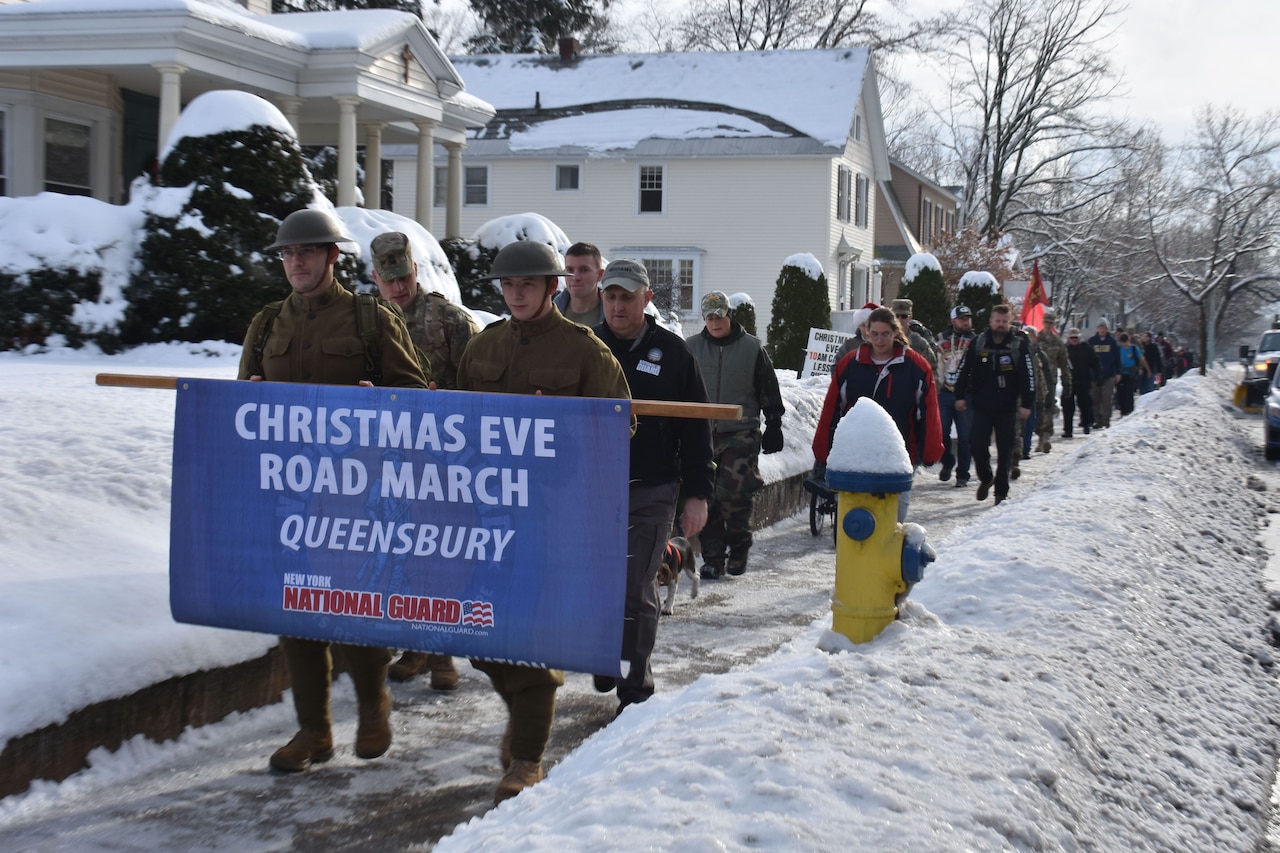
[817,513]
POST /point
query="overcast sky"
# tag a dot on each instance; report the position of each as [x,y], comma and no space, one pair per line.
[1176,55]
[1181,54]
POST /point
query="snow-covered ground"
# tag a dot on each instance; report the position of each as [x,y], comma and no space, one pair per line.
[1085,667]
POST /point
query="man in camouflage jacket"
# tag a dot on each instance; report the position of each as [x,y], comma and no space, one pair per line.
[1054,350]
[441,330]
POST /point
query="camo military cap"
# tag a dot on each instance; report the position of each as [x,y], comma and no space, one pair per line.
[715,303]
[392,255]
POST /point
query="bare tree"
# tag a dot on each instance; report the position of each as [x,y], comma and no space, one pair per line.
[1213,224]
[796,24]
[1026,79]
[967,250]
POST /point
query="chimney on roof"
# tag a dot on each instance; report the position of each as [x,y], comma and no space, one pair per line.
[569,49]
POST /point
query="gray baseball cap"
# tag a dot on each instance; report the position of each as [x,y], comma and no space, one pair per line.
[627,274]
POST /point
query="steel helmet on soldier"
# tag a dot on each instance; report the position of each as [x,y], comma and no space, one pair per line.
[526,258]
[308,226]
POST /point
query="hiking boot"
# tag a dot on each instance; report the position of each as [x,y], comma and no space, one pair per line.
[1067,435]
[520,775]
[409,665]
[984,489]
[1015,472]
[1086,430]
[1000,499]
[604,683]
[443,675]
[711,571]
[373,734]
[737,565]
[305,749]
[945,473]
[1047,445]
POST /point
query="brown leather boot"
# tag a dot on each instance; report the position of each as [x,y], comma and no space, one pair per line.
[373,699]
[443,675]
[522,774]
[309,673]
[306,748]
[409,665]
[373,735]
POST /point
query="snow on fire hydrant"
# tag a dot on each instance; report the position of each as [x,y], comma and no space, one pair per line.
[878,560]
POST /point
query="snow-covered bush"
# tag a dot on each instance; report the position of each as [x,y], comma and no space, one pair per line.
[201,272]
[923,284]
[800,303]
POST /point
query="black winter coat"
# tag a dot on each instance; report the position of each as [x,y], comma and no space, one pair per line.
[660,366]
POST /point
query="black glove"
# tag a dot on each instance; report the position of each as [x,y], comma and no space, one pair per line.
[772,441]
[819,472]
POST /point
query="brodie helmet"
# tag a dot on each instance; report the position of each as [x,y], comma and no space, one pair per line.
[526,258]
[307,226]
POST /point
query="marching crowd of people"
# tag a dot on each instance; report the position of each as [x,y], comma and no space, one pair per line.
[1002,382]
[689,477]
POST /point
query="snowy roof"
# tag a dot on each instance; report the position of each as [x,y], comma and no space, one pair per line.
[771,94]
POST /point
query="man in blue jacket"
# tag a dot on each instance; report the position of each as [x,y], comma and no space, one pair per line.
[670,460]
[1107,348]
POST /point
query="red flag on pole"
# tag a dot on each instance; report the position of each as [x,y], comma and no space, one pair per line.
[1035,300]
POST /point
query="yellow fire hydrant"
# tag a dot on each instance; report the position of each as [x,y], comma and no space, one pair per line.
[878,560]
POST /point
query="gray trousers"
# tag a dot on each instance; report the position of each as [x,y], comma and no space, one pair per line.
[650,515]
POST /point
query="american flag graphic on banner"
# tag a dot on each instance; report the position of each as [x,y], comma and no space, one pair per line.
[478,613]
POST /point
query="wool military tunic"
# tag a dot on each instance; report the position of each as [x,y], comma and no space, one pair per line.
[316,339]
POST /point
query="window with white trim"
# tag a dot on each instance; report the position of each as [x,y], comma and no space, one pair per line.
[440,187]
[68,157]
[475,186]
[926,235]
[652,189]
[568,178]
[673,279]
[844,191]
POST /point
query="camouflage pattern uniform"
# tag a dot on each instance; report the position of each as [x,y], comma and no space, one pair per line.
[737,371]
[1039,365]
[1055,351]
[920,340]
[556,357]
[441,330]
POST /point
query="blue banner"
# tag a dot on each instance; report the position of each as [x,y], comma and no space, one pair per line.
[478,525]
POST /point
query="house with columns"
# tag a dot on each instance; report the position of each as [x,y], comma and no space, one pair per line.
[89,90]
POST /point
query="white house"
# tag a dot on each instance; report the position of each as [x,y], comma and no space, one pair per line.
[711,168]
[89,89]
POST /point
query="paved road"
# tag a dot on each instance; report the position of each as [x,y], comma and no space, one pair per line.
[212,789]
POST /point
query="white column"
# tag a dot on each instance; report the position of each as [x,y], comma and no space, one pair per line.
[373,165]
[426,192]
[291,106]
[453,204]
[170,97]
[346,150]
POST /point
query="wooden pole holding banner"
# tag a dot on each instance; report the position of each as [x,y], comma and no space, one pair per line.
[665,408]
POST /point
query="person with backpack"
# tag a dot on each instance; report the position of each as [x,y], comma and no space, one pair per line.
[997,374]
[303,339]
[441,330]
[1132,365]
